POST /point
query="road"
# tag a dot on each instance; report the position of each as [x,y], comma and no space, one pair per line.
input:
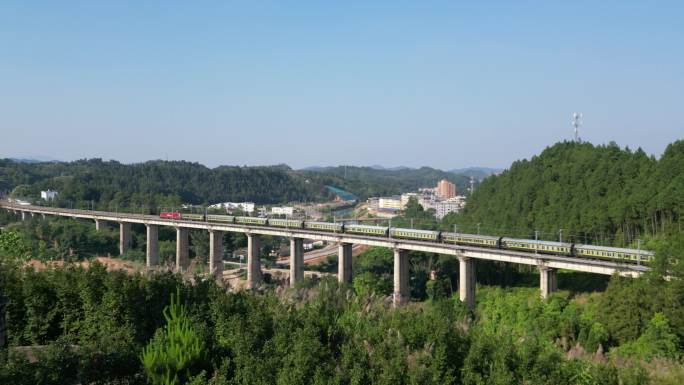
[315,257]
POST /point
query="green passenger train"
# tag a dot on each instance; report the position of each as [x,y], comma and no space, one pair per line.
[527,245]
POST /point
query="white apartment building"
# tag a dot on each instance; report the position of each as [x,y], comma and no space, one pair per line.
[405,198]
[390,203]
[428,202]
[247,207]
[451,205]
[284,210]
[48,195]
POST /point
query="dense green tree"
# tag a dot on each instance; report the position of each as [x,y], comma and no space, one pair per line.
[176,352]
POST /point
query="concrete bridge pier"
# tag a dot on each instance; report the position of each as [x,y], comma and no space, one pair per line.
[182,251]
[43,216]
[215,253]
[466,282]
[253,262]
[33,214]
[344,262]
[23,215]
[152,246]
[296,260]
[548,281]
[99,225]
[124,237]
[401,278]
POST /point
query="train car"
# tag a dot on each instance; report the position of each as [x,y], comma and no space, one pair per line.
[220,218]
[169,215]
[546,247]
[614,253]
[421,235]
[192,217]
[366,230]
[251,221]
[324,226]
[471,239]
[288,223]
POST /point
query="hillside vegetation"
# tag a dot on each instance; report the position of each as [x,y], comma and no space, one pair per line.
[596,194]
[94,326]
[155,183]
[110,184]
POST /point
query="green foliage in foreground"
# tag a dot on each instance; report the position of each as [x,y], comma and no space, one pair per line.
[93,326]
[175,350]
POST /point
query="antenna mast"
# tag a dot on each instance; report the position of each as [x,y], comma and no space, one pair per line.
[577,123]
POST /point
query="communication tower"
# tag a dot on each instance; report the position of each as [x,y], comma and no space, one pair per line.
[577,123]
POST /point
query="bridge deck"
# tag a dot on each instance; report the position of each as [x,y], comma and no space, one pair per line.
[520,257]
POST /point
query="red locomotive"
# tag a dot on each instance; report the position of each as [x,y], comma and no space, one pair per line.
[169,215]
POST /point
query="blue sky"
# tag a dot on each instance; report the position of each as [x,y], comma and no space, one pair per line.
[444,84]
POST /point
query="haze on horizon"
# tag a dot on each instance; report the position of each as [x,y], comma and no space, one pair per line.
[309,84]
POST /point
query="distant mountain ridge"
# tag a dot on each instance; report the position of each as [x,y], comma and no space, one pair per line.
[34,159]
[475,171]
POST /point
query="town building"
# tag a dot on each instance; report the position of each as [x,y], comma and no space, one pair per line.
[428,201]
[373,203]
[247,207]
[48,195]
[451,205]
[284,210]
[393,202]
[445,189]
[405,198]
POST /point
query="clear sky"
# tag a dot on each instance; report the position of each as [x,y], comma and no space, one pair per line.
[445,84]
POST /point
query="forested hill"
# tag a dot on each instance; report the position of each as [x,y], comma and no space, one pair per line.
[156,183]
[167,183]
[604,193]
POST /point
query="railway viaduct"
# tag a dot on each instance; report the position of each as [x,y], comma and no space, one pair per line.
[548,265]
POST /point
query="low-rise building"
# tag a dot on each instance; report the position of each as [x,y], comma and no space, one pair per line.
[451,205]
[405,198]
[373,203]
[284,210]
[247,207]
[48,195]
[393,202]
[428,201]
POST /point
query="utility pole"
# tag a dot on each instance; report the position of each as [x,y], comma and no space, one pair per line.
[560,235]
[536,241]
[3,329]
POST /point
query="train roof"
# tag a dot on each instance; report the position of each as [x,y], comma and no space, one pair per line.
[415,230]
[548,243]
[478,236]
[368,226]
[324,223]
[615,249]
